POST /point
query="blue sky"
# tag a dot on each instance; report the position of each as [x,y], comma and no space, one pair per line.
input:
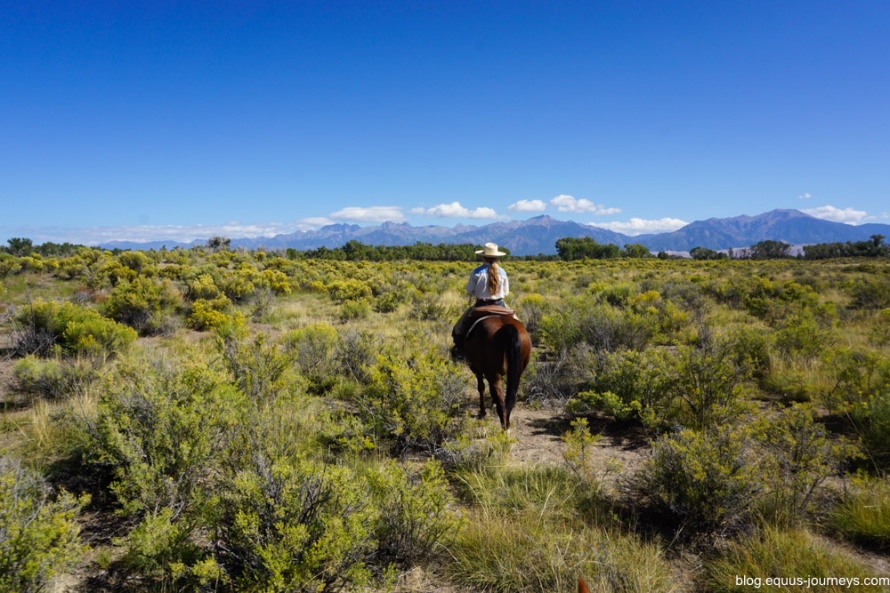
[182,120]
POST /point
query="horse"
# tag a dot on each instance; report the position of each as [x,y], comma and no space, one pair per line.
[497,345]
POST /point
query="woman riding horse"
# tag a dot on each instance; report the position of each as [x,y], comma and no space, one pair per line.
[495,344]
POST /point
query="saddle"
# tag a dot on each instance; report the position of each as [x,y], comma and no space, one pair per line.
[487,310]
[464,327]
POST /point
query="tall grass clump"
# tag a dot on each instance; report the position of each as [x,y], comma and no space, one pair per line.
[863,515]
[786,556]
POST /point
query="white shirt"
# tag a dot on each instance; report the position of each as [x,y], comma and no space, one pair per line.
[478,284]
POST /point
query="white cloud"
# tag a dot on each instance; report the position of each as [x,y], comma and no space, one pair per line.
[640,226]
[847,215]
[805,196]
[527,206]
[565,203]
[455,210]
[145,233]
[372,214]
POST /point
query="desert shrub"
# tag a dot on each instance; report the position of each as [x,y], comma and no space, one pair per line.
[163,548]
[349,290]
[416,517]
[559,376]
[530,309]
[293,524]
[705,481]
[241,284]
[9,265]
[355,353]
[784,557]
[388,301]
[871,294]
[708,385]
[261,371]
[277,281]
[863,516]
[769,300]
[203,287]
[352,310]
[213,314]
[142,304]
[46,326]
[800,458]
[39,534]
[415,401]
[313,348]
[630,384]
[799,333]
[855,374]
[429,307]
[602,326]
[750,348]
[880,331]
[162,426]
[871,419]
[52,378]
[137,261]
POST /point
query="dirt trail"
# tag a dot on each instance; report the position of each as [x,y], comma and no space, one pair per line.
[538,441]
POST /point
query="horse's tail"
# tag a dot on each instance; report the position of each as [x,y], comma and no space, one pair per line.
[513,348]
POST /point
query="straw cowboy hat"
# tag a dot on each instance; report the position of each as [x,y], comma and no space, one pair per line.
[491,250]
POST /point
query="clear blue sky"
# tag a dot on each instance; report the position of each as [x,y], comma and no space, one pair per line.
[161,119]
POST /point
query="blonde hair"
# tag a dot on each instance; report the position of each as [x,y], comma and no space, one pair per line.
[494,275]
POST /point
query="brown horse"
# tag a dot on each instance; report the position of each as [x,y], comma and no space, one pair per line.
[496,346]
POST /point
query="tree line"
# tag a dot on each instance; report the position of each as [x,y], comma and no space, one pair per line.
[567,249]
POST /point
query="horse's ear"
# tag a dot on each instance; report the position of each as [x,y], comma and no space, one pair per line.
[582,585]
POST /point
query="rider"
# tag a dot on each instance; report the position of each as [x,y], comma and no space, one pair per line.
[488,284]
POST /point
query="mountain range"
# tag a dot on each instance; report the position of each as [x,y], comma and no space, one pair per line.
[538,235]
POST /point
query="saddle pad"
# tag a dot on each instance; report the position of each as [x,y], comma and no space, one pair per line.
[492,310]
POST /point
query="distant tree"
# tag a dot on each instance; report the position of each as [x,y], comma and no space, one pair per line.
[573,248]
[218,243]
[19,246]
[770,249]
[705,253]
[636,250]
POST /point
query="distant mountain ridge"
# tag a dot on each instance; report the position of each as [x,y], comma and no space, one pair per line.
[539,234]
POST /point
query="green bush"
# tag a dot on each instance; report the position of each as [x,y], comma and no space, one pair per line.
[415,402]
[314,347]
[45,326]
[349,290]
[39,535]
[142,304]
[707,482]
[163,425]
[800,458]
[52,378]
[708,385]
[294,525]
[631,384]
[416,516]
[601,326]
[870,294]
[871,419]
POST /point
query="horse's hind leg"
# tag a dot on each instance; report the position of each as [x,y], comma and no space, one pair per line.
[480,384]
[497,394]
